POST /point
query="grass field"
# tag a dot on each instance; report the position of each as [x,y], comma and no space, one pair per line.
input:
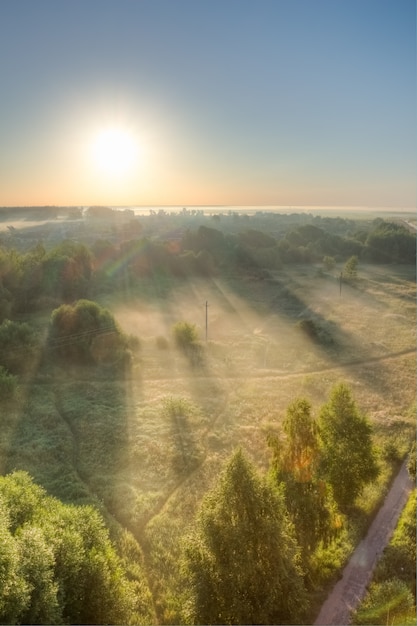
[146,448]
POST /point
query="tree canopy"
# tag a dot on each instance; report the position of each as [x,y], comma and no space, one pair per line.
[86,332]
[295,464]
[57,563]
[243,562]
[348,457]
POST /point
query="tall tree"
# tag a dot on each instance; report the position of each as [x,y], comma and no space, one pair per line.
[295,463]
[348,458]
[243,563]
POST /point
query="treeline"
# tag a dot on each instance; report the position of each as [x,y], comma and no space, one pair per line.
[73,270]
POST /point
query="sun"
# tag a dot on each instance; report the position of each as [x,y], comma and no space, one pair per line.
[114,152]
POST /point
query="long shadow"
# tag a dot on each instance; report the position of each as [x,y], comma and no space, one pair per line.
[280,296]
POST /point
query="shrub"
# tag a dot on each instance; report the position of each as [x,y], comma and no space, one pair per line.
[411,462]
[185,335]
[390,602]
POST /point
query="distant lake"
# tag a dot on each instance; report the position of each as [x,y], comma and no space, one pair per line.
[252,209]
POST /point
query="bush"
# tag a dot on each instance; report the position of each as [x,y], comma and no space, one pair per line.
[411,462]
[399,558]
[390,602]
[185,335]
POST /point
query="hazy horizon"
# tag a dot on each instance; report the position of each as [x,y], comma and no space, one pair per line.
[228,207]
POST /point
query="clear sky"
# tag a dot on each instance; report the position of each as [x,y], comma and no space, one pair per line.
[277,102]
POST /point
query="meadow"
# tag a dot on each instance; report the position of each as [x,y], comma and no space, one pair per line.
[146,446]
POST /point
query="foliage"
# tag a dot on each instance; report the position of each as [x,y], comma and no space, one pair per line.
[185,335]
[243,563]
[411,462]
[295,463]
[390,602]
[350,269]
[58,564]
[87,333]
[391,242]
[66,271]
[348,458]
[399,558]
[18,346]
[257,239]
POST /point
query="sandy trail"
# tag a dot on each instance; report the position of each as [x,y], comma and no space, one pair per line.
[347,593]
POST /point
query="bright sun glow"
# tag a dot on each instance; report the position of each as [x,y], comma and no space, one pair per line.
[114,152]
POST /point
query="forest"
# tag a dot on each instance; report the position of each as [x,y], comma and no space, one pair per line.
[201,413]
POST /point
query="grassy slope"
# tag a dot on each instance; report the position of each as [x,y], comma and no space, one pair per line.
[148,447]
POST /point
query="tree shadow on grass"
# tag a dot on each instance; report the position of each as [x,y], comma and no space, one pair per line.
[283,298]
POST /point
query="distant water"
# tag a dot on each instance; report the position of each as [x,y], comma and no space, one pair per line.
[252,209]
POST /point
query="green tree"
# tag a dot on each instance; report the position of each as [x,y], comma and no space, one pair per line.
[87,333]
[14,592]
[57,563]
[295,463]
[66,271]
[350,269]
[37,562]
[348,457]
[243,563]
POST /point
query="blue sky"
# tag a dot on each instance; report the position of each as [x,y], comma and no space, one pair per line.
[278,102]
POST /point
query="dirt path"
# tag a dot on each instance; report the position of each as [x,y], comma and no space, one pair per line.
[347,593]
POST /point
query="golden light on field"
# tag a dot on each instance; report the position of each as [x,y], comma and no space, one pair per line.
[114,152]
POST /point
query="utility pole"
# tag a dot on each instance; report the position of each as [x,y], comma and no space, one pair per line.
[341,280]
[206,320]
